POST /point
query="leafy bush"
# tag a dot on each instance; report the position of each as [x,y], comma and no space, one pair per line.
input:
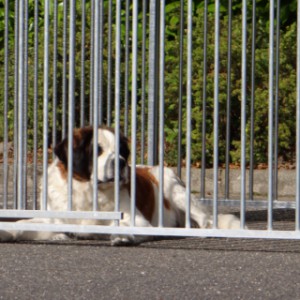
[287,82]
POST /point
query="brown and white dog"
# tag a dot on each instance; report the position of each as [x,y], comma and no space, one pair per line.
[147,187]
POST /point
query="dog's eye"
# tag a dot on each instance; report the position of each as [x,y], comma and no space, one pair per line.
[100,150]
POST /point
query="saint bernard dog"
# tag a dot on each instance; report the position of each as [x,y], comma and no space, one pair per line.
[147,189]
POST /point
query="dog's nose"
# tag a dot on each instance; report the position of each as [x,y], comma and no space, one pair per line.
[122,163]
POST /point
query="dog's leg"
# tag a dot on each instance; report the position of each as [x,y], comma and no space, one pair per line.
[129,240]
[20,235]
[175,192]
[200,214]
[227,221]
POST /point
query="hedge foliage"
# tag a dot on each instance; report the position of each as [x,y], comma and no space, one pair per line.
[287,79]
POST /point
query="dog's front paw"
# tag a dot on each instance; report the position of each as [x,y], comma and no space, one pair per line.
[122,240]
[60,237]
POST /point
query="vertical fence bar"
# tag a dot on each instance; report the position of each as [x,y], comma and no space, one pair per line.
[92,40]
[152,95]
[16,67]
[35,102]
[95,103]
[180,88]
[5,107]
[156,84]
[126,79]
[297,200]
[216,114]
[71,99]
[45,105]
[117,106]
[276,107]
[82,65]
[20,104]
[252,108]
[64,79]
[25,101]
[228,101]
[203,150]
[134,108]
[243,112]
[161,112]
[109,64]
[270,116]
[54,82]
[143,97]
[189,113]
[100,98]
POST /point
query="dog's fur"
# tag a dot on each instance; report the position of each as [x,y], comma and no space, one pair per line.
[147,188]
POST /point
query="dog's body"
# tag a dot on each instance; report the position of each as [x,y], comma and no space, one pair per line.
[147,190]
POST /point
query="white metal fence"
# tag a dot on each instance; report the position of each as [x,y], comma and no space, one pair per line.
[68,64]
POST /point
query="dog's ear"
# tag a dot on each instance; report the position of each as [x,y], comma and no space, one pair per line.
[84,137]
[124,148]
[82,156]
[61,151]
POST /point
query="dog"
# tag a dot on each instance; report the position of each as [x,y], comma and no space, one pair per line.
[147,190]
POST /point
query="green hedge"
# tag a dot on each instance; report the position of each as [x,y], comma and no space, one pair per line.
[287,82]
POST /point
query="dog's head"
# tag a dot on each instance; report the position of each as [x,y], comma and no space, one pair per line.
[83,155]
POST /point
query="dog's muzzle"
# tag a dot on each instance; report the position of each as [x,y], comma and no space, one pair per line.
[109,174]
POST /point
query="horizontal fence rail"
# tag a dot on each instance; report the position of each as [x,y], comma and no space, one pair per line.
[210,91]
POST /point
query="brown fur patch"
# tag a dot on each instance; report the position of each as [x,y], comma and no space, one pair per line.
[64,173]
[80,178]
[167,204]
[77,136]
[81,149]
[62,169]
[79,133]
[145,195]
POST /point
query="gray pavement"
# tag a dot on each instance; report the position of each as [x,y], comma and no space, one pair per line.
[192,268]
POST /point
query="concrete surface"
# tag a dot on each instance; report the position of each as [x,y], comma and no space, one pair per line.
[286,182]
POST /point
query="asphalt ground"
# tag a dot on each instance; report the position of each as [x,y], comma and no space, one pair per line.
[190,268]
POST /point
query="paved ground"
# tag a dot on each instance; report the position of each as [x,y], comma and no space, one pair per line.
[192,268]
[171,269]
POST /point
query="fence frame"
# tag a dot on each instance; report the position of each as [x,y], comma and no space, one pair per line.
[155,116]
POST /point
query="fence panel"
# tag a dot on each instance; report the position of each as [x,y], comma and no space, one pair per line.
[209,98]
